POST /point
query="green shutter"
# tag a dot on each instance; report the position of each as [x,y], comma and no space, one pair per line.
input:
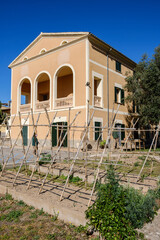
[122,132]
[115,94]
[63,133]
[54,134]
[25,135]
[122,96]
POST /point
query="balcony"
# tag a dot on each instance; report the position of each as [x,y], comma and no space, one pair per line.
[25,107]
[97,101]
[64,102]
[41,104]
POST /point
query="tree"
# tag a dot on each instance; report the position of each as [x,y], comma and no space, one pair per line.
[144,88]
[2,115]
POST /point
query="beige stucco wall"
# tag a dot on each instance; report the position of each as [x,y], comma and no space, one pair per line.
[74,56]
[46,43]
[49,64]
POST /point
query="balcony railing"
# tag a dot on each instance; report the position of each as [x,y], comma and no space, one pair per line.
[97,101]
[25,107]
[64,102]
[41,104]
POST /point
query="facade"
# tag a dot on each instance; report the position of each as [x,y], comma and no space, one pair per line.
[68,70]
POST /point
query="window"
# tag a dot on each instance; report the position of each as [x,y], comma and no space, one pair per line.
[119,95]
[64,42]
[43,51]
[135,107]
[97,81]
[118,66]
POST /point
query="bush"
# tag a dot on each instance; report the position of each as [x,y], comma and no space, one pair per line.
[108,213]
[102,144]
[140,208]
[118,210]
[45,159]
[0,168]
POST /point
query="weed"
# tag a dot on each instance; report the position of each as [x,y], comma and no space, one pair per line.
[21,203]
[31,208]
[136,164]
[12,216]
[51,236]
[34,215]
[8,197]
[55,216]
[40,212]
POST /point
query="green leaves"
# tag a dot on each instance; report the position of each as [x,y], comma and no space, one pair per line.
[118,210]
[144,88]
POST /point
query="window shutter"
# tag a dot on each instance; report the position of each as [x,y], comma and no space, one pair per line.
[122,96]
[122,132]
[115,94]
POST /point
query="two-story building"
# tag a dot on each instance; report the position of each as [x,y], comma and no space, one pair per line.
[68,70]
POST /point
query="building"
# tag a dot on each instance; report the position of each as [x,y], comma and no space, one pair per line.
[69,70]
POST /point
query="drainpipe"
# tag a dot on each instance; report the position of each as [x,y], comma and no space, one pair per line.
[108,87]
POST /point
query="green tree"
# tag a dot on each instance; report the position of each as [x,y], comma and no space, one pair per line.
[144,88]
[2,115]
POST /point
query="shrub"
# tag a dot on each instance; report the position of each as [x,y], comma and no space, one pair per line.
[0,168]
[118,210]
[108,213]
[140,208]
[45,159]
[102,144]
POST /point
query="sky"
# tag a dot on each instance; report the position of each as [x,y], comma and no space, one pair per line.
[131,27]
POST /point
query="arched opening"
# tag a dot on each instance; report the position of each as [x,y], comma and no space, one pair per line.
[64,94]
[25,95]
[42,91]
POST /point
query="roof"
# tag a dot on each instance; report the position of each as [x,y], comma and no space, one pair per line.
[106,47]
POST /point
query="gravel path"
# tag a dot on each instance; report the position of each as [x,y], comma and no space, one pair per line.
[152,230]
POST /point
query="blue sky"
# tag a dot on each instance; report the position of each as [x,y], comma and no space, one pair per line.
[132,27]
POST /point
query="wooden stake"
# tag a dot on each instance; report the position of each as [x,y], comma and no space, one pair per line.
[149,151]
[72,165]
[102,156]
[38,157]
[25,155]
[11,151]
[53,160]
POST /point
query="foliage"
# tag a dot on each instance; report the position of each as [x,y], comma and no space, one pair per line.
[45,159]
[107,214]
[144,88]
[118,210]
[102,144]
[140,208]
[12,215]
[2,114]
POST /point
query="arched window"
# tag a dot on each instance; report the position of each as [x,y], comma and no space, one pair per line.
[25,58]
[64,93]
[43,50]
[25,95]
[64,42]
[42,91]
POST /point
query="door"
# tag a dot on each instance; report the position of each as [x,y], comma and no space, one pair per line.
[25,135]
[98,130]
[58,132]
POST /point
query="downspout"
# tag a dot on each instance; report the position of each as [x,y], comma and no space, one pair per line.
[108,88]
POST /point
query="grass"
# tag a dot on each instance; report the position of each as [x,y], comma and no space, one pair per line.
[16,223]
